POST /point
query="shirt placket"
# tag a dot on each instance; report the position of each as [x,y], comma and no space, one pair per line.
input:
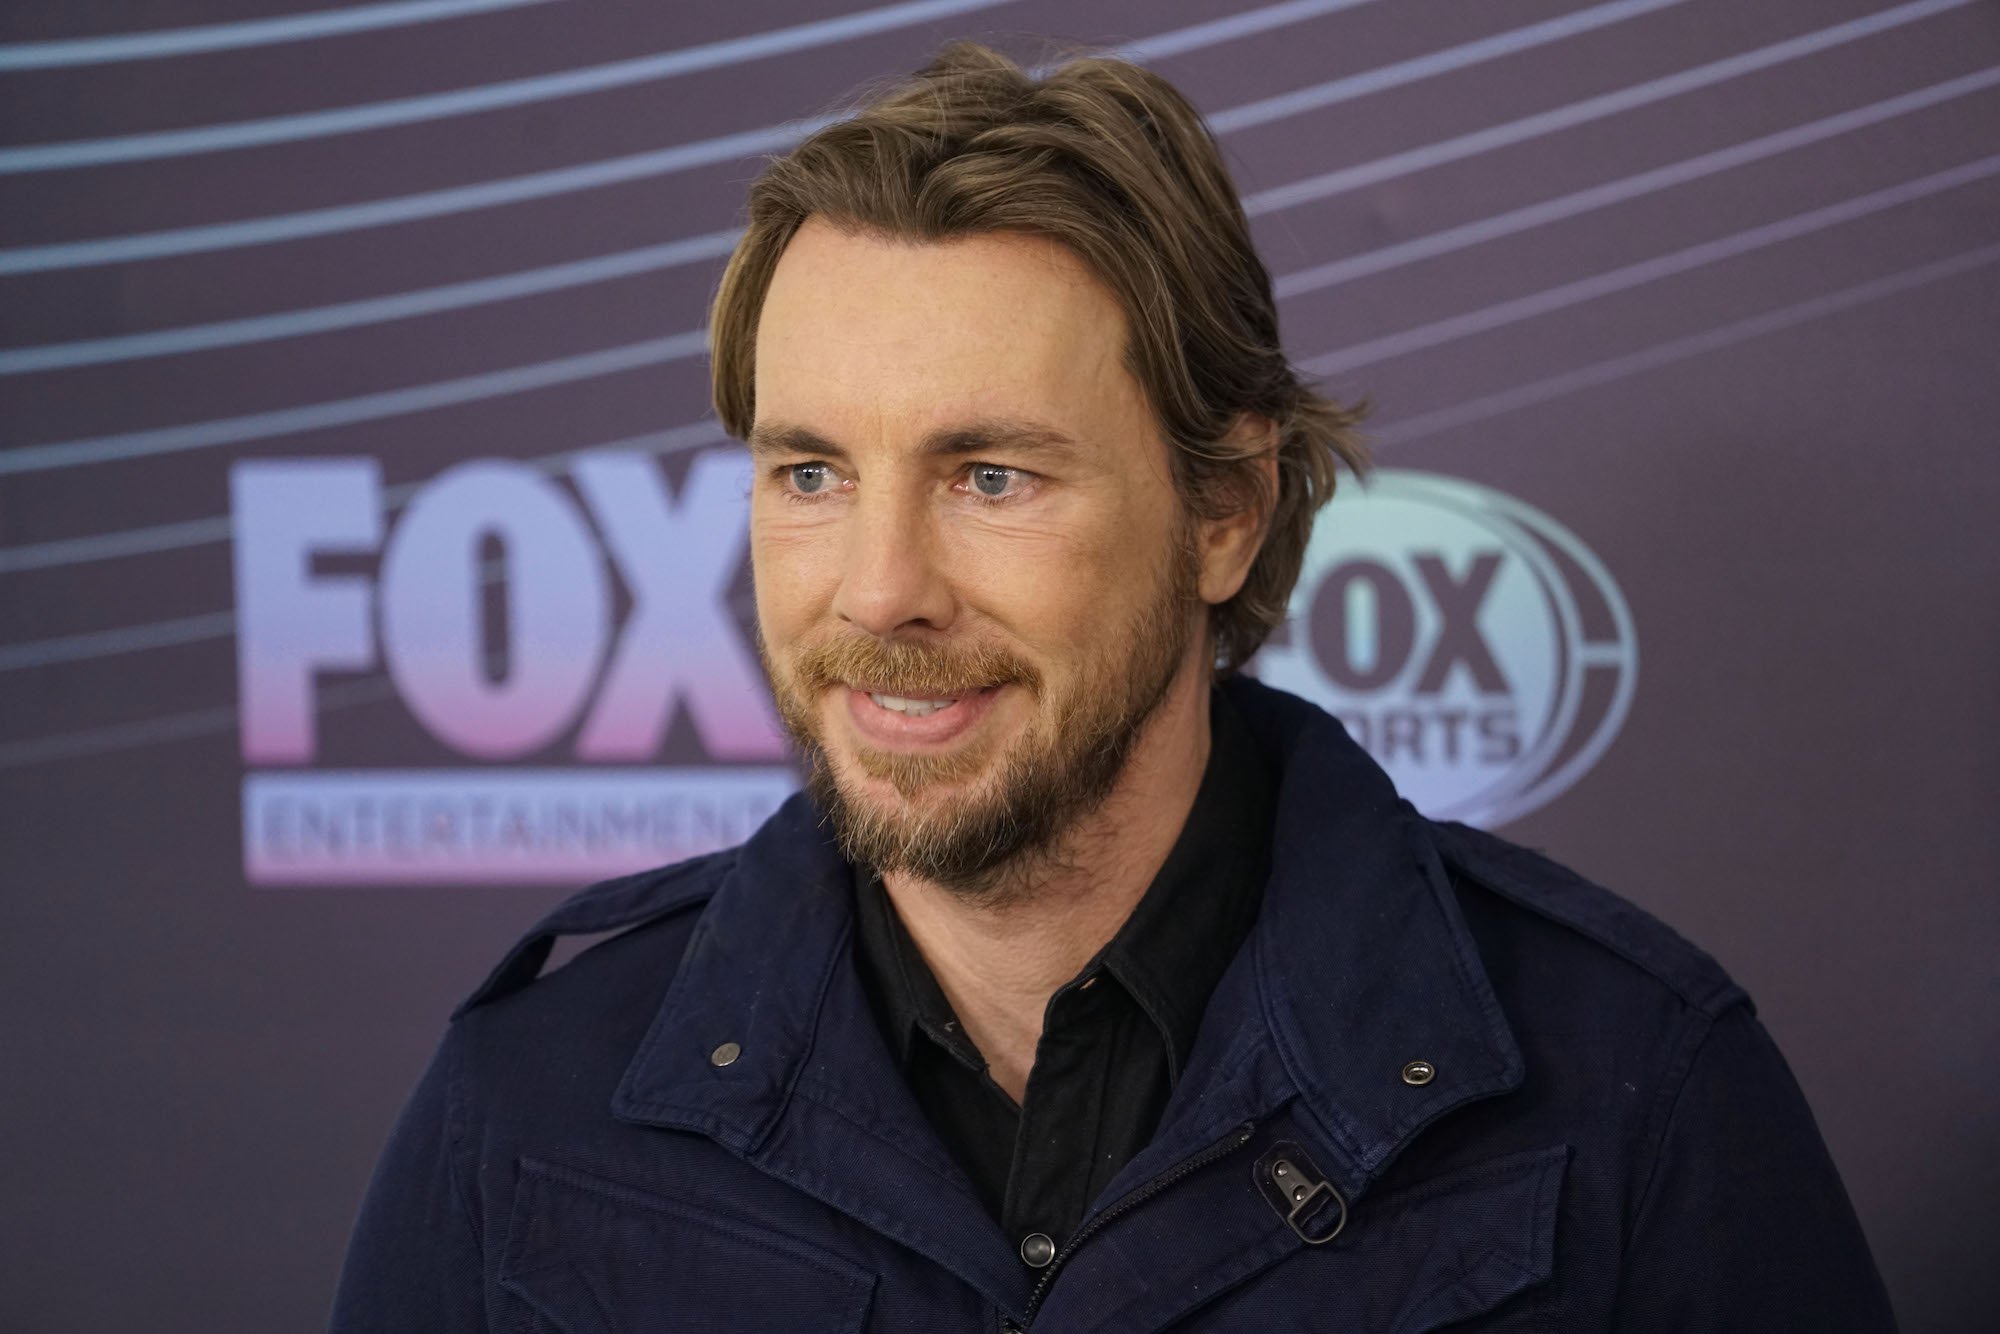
[1062,1124]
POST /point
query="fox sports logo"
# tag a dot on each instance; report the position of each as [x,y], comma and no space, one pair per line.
[1478,650]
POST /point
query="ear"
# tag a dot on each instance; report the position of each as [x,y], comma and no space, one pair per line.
[1230,542]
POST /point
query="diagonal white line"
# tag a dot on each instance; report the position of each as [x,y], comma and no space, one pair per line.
[200,532]
[173,727]
[662,65]
[232,36]
[61,551]
[1678,349]
[120,736]
[405,208]
[1229,28]
[368,310]
[1565,295]
[110,643]
[1430,65]
[1540,214]
[363,407]
[40,750]
[1339,182]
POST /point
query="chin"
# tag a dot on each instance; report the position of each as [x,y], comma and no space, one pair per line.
[927,784]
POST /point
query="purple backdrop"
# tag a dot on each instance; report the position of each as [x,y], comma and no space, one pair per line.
[371,569]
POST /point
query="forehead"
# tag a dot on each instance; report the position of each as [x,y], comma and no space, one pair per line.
[862,333]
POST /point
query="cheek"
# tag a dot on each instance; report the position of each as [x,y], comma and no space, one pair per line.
[792,566]
[1062,583]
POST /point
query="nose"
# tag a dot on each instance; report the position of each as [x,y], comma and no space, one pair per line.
[891,580]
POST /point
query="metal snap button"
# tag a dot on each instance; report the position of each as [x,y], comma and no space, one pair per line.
[1288,1179]
[1037,1250]
[726,1054]
[1419,1072]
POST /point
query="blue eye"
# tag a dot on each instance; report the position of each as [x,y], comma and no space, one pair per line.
[990,480]
[808,478]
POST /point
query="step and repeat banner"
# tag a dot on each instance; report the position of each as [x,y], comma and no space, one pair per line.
[372,571]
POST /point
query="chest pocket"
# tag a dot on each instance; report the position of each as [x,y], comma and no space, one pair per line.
[589,1256]
[1475,1245]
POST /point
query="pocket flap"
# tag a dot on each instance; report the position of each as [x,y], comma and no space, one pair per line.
[1469,1240]
[1454,1247]
[593,1256]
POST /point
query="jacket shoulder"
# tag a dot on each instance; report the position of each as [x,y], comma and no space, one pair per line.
[626,903]
[1552,891]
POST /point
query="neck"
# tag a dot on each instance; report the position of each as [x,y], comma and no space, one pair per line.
[998,960]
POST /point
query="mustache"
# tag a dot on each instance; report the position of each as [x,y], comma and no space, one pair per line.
[909,668]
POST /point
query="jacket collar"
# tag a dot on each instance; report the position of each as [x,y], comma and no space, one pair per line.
[1362,962]
[754,974]
[1358,966]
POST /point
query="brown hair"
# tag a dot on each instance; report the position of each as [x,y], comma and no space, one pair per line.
[1111,161]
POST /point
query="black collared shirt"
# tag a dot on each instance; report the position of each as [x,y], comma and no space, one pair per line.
[1114,1038]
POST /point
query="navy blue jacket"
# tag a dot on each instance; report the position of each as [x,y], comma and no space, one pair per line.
[1444,1081]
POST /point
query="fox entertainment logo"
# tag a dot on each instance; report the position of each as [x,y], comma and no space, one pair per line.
[1478,650]
[494,603]
[550,634]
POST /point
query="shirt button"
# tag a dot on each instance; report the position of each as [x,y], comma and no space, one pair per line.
[726,1054]
[1037,1250]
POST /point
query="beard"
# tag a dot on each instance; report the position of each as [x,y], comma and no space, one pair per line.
[949,826]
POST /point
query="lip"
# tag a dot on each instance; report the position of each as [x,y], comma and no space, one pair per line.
[888,730]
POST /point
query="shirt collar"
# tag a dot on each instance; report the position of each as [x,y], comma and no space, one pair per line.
[1169,952]
[902,987]
[1181,936]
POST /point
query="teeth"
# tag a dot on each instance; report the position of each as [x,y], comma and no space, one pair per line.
[913,708]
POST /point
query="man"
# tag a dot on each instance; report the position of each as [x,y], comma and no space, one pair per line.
[1090,986]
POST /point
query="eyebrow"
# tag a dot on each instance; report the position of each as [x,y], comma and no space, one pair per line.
[966,439]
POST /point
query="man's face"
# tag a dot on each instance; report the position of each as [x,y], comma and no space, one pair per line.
[975,579]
